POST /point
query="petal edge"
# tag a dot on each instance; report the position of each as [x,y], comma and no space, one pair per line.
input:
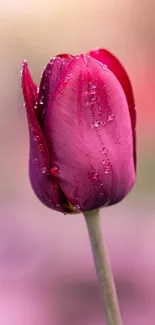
[117,68]
[43,185]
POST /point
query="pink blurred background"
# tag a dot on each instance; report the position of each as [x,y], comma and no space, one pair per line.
[47,274]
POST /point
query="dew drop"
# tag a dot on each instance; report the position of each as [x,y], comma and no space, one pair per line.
[37,138]
[85,58]
[95,177]
[35,106]
[69,76]
[111,117]
[44,170]
[32,128]
[41,147]
[54,170]
[96,124]
[104,66]
[101,189]
[104,123]
[67,79]
[77,207]
[61,90]
[41,102]
[92,88]
[104,162]
[48,71]
[86,93]
[105,151]
[35,160]
[118,141]
[107,169]
[92,97]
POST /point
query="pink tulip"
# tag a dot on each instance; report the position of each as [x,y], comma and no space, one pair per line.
[82,131]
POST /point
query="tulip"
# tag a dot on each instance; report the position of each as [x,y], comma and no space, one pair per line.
[81,122]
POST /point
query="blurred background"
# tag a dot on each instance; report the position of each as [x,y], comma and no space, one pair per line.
[47,274]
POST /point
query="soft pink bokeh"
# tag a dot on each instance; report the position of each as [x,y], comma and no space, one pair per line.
[47,273]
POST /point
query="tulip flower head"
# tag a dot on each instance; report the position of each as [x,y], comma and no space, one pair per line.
[82,123]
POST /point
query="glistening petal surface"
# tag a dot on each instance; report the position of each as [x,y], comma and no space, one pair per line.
[49,82]
[88,129]
[44,186]
[116,67]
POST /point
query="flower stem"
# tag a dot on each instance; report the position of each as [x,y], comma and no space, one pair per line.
[103,270]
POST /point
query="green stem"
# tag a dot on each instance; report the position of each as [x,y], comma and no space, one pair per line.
[103,270]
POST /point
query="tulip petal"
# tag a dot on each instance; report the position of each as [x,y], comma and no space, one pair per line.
[49,81]
[88,129]
[44,186]
[116,67]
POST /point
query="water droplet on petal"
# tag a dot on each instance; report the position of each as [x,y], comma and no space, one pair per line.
[92,98]
[35,106]
[101,189]
[85,58]
[32,128]
[111,117]
[104,66]
[37,138]
[44,170]
[95,177]
[77,57]
[54,170]
[41,102]
[92,88]
[69,75]
[35,160]
[105,151]
[107,169]
[67,79]
[77,207]
[96,124]
[118,141]
[104,162]
[86,93]
[48,71]
[104,122]
[41,147]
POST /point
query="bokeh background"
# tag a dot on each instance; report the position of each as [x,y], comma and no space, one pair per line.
[47,274]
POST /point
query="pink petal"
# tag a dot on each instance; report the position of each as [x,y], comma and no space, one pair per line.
[116,67]
[44,186]
[88,130]
[49,81]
